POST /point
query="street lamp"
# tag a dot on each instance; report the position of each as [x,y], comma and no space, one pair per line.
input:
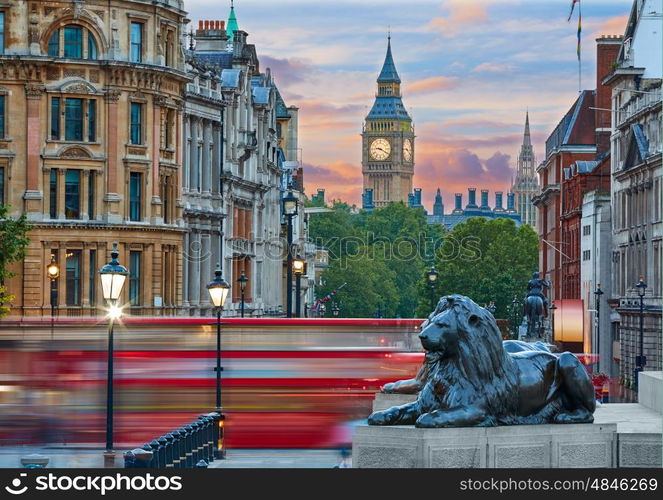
[432,275]
[641,361]
[299,268]
[290,205]
[113,275]
[552,308]
[53,273]
[597,300]
[242,280]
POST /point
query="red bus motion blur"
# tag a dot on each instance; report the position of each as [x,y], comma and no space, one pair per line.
[286,383]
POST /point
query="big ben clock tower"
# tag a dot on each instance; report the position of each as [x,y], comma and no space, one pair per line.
[388,140]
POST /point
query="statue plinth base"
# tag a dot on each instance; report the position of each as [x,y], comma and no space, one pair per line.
[623,435]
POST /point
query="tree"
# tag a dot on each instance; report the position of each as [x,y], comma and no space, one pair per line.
[485,259]
[13,241]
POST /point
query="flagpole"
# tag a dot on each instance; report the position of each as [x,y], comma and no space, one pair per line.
[579,45]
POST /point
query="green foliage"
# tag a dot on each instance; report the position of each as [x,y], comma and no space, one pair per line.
[485,259]
[381,256]
[13,241]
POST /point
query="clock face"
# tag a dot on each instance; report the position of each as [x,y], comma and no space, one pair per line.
[380,149]
[407,150]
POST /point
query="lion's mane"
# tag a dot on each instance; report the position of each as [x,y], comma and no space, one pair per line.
[482,373]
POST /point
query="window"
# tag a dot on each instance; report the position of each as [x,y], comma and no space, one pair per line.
[73,277]
[2,116]
[91,121]
[90,195]
[91,47]
[72,194]
[135,181]
[2,186]
[136,54]
[136,123]
[586,254]
[73,41]
[2,32]
[586,230]
[92,273]
[134,278]
[55,118]
[53,194]
[73,119]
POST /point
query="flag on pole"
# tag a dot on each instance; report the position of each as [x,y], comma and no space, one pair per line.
[579,30]
[573,4]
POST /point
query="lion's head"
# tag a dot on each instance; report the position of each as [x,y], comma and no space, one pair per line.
[464,338]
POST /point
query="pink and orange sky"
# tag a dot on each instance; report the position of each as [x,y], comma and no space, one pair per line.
[470,69]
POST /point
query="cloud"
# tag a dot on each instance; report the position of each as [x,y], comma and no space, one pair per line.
[432,84]
[612,26]
[461,13]
[340,180]
[490,67]
[287,71]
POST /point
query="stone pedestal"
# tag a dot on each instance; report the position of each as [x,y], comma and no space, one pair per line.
[622,435]
[520,446]
[650,390]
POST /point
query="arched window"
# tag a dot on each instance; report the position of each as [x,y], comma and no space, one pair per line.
[73,41]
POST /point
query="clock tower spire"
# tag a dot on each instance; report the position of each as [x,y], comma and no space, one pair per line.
[388,140]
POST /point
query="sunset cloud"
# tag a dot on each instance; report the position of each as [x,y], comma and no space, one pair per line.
[613,26]
[493,68]
[432,84]
[461,13]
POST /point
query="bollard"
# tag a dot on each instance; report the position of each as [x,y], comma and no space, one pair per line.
[197,442]
[215,434]
[222,448]
[163,451]
[138,458]
[177,438]
[201,465]
[188,445]
[169,450]
[207,448]
[183,447]
[154,444]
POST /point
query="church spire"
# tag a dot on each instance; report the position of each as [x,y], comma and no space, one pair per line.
[232,23]
[527,140]
[388,73]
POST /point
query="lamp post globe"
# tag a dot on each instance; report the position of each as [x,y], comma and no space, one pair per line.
[432,276]
[53,273]
[640,360]
[299,269]
[112,275]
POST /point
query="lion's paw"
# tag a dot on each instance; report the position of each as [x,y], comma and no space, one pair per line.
[426,421]
[378,418]
[389,388]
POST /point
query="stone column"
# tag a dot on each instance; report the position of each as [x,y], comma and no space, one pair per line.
[205,269]
[193,157]
[153,271]
[33,196]
[194,277]
[186,163]
[62,280]
[60,193]
[85,174]
[185,271]
[112,198]
[206,163]
[216,157]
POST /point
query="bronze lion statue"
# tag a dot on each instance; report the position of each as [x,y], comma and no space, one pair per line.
[470,379]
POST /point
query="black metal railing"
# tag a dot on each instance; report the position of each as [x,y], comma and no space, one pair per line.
[196,444]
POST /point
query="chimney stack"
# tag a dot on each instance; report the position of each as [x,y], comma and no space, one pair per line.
[484,200]
[459,203]
[510,202]
[498,202]
[472,195]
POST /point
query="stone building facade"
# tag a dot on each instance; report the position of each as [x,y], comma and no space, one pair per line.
[637,176]
[242,157]
[92,153]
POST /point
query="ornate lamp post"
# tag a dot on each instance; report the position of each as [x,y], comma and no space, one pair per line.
[218,290]
[53,273]
[641,361]
[299,268]
[290,205]
[552,308]
[597,300]
[242,280]
[113,275]
[432,275]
